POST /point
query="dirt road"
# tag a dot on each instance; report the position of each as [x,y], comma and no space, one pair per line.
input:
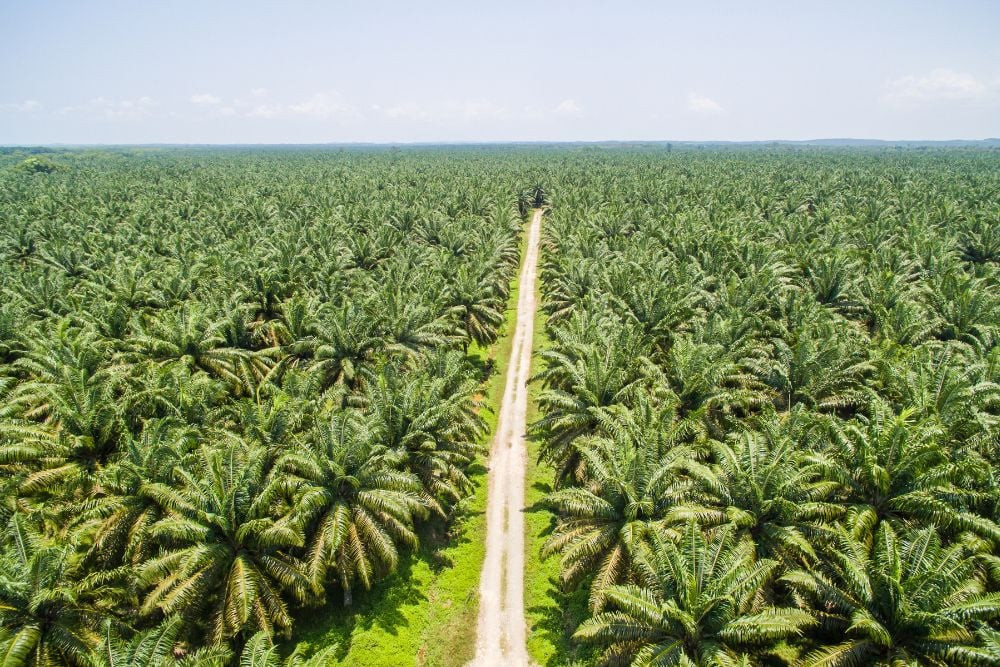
[500,636]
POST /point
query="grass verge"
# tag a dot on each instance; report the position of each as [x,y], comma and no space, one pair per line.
[425,613]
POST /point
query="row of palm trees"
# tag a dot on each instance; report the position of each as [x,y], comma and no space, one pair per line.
[772,401]
[233,385]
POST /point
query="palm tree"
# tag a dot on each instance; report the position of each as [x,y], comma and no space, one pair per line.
[160,647]
[476,304]
[980,242]
[819,368]
[348,340]
[583,379]
[269,423]
[11,332]
[567,285]
[47,616]
[69,388]
[758,483]
[698,602]
[358,502]
[260,651]
[117,523]
[710,384]
[188,335]
[433,421]
[831,278]
[293,332]
[155,647]
[410,325]
[892,467]
[951,386]
[886,601]
[966,307]
[224,552]
[662,305]
[71,426]
[629,486]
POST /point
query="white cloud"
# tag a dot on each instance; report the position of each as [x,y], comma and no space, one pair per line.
[474,110]
[699,103]
[407,110]
[265,111]
[443,112]
[323,105]
[568,107]
[26,105]
[319,106]
[205,99]
[107,109]
[938,85]
[448,111]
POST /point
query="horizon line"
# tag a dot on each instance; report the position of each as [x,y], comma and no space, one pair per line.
[509,142]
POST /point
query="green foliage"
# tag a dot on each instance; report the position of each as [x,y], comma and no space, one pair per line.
[239,389]
[49,609]
[909,600]
[697,602]
[229,397]
[37,164]
[817,336]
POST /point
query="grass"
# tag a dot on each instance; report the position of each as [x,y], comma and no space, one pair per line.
[425,613]
[552,615]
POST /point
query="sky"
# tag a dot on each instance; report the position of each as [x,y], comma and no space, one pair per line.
[291,71]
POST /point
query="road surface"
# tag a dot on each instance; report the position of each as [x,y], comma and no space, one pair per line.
[501,628]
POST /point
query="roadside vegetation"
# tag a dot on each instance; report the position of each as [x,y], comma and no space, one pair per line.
[771,402]
[425,613]
[238,390]
[245,397]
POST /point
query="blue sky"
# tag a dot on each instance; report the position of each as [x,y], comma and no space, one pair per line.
[224,72]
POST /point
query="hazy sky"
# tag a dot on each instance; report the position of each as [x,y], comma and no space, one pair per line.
[375,70]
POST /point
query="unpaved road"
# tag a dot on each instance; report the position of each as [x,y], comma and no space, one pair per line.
[500,635]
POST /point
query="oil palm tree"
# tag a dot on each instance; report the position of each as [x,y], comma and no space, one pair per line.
[48,616]
[190,336]
[664,305]
[358,503]
[831,278]
[155,647]
[966,307]
[698,601]
[476,304]
[348,340]
[117,522]
[410,325]
[710,383]
[950,386]
[70,427]
[891,467]
[816,366]
[882,600]
[261,651]
[225,555]
[630,483]
[758,482]
[582,379]
[433,421]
